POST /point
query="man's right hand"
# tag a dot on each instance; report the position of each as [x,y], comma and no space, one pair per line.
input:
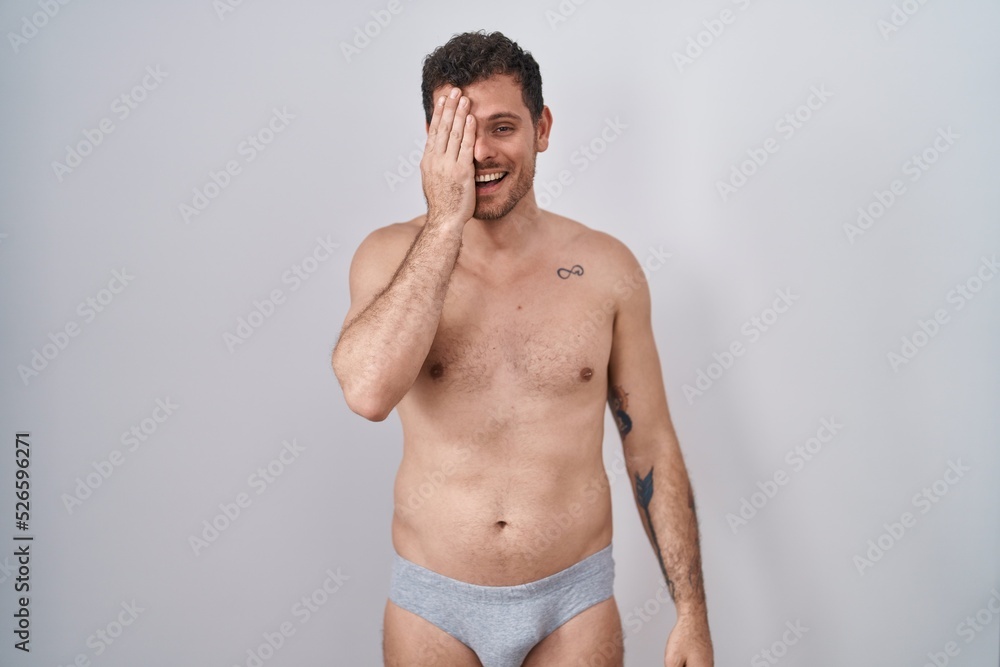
[446,168]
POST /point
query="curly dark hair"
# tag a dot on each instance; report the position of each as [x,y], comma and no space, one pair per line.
[475,56]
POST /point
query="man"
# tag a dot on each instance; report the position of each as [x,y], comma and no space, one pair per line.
[497,330]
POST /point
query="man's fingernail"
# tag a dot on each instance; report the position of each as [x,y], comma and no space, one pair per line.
[455,92]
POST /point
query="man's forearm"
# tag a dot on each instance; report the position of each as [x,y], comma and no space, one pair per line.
[380,351]
[666,504]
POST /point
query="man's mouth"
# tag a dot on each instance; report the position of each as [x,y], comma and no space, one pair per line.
[486,183]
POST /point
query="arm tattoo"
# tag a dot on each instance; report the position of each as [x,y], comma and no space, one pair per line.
[683,558]
[644,492]
[619,402]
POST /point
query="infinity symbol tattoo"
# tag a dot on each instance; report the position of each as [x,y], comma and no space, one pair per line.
[566,273]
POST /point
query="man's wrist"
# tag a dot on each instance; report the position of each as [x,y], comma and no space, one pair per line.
[694,611]
[450,223]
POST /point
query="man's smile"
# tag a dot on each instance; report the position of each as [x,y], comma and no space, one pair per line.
[489,182]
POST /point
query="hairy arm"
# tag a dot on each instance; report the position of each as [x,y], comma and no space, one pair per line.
[389,328]
[655,464]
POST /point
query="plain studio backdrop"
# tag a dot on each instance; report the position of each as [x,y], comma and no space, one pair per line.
[811,184]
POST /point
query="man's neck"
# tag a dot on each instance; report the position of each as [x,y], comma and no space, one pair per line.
[510,238]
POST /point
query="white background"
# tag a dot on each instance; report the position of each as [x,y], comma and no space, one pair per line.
[655,187]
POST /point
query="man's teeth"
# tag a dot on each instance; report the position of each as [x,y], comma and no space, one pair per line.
[486,178]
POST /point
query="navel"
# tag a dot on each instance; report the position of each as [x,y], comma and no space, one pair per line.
[437,370]
[586,373]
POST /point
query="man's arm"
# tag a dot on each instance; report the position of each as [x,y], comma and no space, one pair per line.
[389,328]
[656,467]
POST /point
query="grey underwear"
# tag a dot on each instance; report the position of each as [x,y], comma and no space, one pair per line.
[502,623]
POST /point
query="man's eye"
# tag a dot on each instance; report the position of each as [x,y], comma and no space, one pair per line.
[503,129]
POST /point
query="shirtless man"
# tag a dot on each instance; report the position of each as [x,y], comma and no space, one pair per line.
[498,330]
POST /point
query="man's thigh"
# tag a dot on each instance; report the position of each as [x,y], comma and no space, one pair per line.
[411,641]
[592,638]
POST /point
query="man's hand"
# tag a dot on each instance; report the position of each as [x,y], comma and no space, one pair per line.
[689,644]
[446,168]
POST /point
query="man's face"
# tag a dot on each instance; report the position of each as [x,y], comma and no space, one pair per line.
[506,143]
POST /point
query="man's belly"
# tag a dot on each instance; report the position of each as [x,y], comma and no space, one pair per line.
[501,517]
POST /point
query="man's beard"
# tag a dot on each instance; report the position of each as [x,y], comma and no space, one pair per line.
[495,211]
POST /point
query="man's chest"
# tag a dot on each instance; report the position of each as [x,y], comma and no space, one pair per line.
[546,334]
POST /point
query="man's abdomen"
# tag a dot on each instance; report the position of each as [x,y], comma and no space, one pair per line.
[506,511]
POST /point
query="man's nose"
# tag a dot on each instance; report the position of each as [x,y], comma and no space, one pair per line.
[484,150]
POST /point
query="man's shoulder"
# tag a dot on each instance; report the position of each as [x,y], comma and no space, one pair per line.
[388,243]
[395,232]
[610,253]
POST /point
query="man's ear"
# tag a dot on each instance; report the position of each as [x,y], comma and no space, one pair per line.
[542,130]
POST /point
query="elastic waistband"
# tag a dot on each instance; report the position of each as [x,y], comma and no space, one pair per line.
[599,566]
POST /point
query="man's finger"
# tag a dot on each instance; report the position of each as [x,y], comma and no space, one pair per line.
[457,137]
[447,117]
[468,140]
[432,127]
